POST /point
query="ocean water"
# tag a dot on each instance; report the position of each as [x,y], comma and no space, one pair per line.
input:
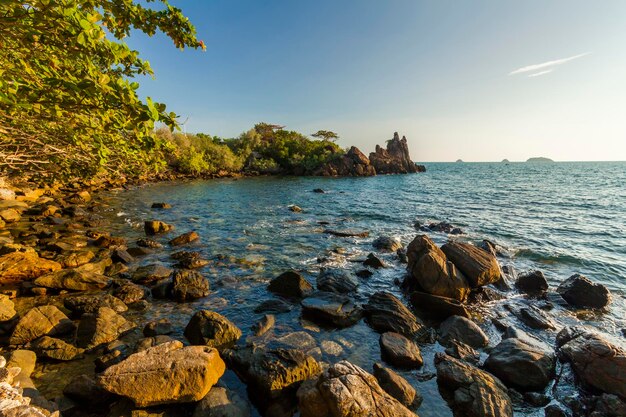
[561,218]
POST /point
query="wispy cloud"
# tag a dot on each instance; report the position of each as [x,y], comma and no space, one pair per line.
[546,66]
[537,74]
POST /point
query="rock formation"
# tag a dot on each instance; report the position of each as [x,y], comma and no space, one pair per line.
[395,159]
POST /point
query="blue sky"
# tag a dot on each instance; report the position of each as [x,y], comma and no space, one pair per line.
[440,72]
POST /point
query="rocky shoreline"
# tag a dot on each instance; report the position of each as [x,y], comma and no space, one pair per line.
[70,290]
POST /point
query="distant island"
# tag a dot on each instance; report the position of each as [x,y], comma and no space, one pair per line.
[506,161]
[459,160]
[539,159]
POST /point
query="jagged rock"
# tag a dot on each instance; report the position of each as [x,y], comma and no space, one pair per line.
[395,159]
[596,361]
[189,285]
[121,255]
[151,273]
[479,266]
[345,390]
[57,349]
[153,227]
[211,329]
[130,293]
[436,306]
[470,391]
[337,281]
[400,351]
[463,352]
[581,292]
[74,280]
[374,261]
[536,318]
[331,309]
[7,308]
[263,325]
[430,271]
[221,402]
[461,329]
[385,313]
[290,284]
[40,321]
[82,304]
[184,239]
[397,387]
[522,365]
[165,374]
[387,243]
[532,282]
[353,164]
[101,327]
[149,342]
[18,266]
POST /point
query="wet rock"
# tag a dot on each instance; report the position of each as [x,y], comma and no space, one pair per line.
[479,266]
[364,273]
[522,365]
[101,327]
[331,309]
[121,255]
[263,325]
[395,159]
[536,318]
[84,390]
[189,285]
[41,321]
[295,209]
[347,233]
[555,410]
[74,280]
[189,260]
[153,227]
[165,374]
[222,402]
[161,206]
[211,329]
[290,284]
[76,259]
[385,313]
[337,281]
[374,261]
[437,307]
[597,362]
[399,351]
[463,352]
[387,243]
[274,306]
[536,399]
[7,308]
[184,239]
[149,243]
[440,227]
[397,387]
[318,191]
[579,291]
[345,390]
[151,273]
[463,330]
[18,266]
[130,293]
[533,282]
[609,405]
[470,391]
[56,349]
[82,304]
[352,164]
[158,327]
[430,271]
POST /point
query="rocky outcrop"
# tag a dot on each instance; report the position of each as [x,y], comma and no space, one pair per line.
[395,159]
[581,292]
[479,266]
[211,329]
[41,321]
[353,163]
[386,313]
[165,374]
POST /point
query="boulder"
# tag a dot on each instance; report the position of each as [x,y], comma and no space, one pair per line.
[41,321]
[331,309]
[533,282]
[522,365]
[56,349]
[436,306]
[130,293]
[158,327]
[337,281]
[101,327]
[275,306]
[74,280]
[400,351]
[374,261]
[347,233]
[7,308]
[23,359]
[149,342]
[85,391]
[536,318]
[385,313]
[579,291]
[222,402]
[184,239]
[430,271]
[387,243]
[479,266]
[18,266]
[470,391]
[352,164]
[189,285]
[211,329]
[82,304]
[264,325]
[295,209]
[122,256]
[463,330]
[597,362]
[149,243]
[397,387]
[153,227]
[290,284]
[165,374]
[463,352]
[395,159]
[10,215]
[345,390]
[151,273]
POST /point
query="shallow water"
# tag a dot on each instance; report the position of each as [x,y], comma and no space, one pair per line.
[562,218]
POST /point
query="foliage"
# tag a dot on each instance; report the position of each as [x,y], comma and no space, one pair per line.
[327,135]
[67,99]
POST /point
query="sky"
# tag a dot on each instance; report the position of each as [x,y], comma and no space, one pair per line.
[473,80]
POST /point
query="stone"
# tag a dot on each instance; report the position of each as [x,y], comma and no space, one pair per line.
[189,285]
[387,243]
[295,209]
[477,265]
[211,329]
[18,266]
[579,291]
[101,327]
[151,273]
[470,391]
[384,312]
[436,306]
[554,410]
[430,271]
[56,349]
[6,194]
[153,227]
[346,390]
[74,280]
[463,330]
[290,284]
[158,327]
[533,282]
[364,273]
[395,159]
[331,309]
[76,259]
[10,215]
[399,351]
[536,318]
[396,386]
[165,374]
[222,402]
[40,321]
[115,352]
[149,342]
[337,281]
[161,206]
[82,304]
[374,261]
[184,239]
[264,325]
[130,293]
[347,233]
[23,359]
[7,308]
[149,243]
[353,163]
[522,365]
[121,255]
[275,306]
[84,390]
[463,352]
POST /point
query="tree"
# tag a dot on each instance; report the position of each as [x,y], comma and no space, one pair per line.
[326,135]
[67,99]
